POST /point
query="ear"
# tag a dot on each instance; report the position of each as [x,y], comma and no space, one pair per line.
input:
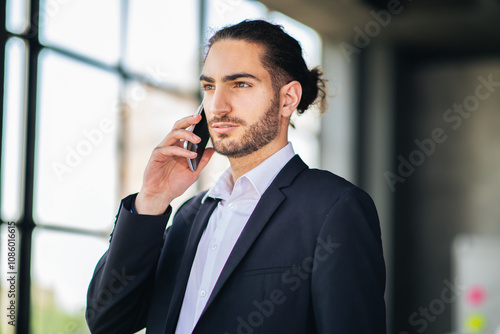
[290,95]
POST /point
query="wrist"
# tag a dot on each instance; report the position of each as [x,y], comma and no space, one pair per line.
[146,204]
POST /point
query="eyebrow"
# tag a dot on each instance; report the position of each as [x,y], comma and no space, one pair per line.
[230,77]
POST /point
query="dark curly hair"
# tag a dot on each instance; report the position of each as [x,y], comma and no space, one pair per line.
[282,58]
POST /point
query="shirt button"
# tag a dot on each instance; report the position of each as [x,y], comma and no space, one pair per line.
[231,206]
[203,293]
[214,246]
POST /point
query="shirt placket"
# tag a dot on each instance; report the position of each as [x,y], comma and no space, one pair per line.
[207,282]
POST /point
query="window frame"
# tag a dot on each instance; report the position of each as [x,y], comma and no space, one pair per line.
[26,224]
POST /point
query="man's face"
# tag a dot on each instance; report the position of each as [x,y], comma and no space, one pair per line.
[241,107]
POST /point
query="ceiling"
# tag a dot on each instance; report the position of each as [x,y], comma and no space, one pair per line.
[455,23]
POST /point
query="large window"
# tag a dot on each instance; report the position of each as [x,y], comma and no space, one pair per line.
[89,89]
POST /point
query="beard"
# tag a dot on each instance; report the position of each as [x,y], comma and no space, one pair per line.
[257,135]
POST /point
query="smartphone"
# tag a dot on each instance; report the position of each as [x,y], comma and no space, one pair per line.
[201,130]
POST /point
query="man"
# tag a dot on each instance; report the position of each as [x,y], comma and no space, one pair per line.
[273,246]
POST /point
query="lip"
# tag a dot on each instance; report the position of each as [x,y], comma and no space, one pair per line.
[223,127]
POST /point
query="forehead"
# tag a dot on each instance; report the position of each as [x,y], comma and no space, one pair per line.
[234,56]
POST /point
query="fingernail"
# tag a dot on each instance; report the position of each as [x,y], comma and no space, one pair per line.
[195,137]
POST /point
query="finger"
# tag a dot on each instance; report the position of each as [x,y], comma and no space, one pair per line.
[179,131]
[182,135]
[178,137]
[186,122]
[161,153]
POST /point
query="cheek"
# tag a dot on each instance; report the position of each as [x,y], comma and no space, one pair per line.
[254,105]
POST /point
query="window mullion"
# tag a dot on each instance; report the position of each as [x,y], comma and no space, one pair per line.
[27,224]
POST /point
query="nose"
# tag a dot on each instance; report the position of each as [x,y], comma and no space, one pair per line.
[217,103]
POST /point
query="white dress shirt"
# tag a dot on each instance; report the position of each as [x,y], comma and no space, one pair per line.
[223,230]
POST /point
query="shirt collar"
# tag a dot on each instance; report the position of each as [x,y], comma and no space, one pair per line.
[260,177]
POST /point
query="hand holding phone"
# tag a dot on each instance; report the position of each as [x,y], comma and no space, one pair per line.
[166,176]
[201,130]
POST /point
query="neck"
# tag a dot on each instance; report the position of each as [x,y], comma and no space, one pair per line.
[240,166]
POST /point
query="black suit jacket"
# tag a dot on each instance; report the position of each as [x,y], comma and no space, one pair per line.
[309,260]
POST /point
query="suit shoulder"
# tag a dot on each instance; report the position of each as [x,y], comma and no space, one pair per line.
[325,183]
[327,179]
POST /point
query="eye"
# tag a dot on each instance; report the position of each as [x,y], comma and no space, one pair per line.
[207,87]
[241,84]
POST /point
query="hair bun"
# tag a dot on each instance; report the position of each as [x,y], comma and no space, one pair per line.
[312,89]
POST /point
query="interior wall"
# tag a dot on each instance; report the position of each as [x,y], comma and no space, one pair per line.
[377,150]
[448,162]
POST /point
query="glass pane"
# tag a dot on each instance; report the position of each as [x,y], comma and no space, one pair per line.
[221,13]
[152,114]
[9,257]
[76,158]
[16,19]
[163,41]
[13,125]
[89,27]
[63,264]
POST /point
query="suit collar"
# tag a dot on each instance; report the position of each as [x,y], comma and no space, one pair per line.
[268,204]
[291,170]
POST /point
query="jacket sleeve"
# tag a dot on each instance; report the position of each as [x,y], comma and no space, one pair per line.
[121,287]
[349,281]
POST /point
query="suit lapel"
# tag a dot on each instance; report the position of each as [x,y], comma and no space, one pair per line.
[199,225]
[268,204]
